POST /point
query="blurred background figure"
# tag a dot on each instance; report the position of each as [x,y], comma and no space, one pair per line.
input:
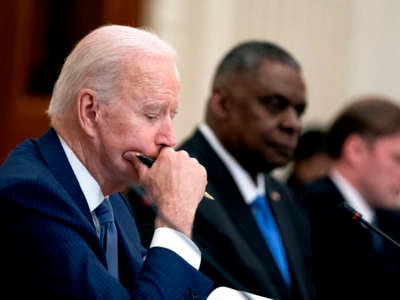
[310,160]
[353,262]
[252,124]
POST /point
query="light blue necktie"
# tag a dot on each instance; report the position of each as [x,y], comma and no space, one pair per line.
[269,229]
[108,235]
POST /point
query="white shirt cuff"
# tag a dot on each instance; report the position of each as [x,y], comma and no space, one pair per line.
[179,243]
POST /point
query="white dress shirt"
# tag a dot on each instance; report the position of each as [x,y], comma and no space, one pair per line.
[352,196]
[246,186]
[163,237]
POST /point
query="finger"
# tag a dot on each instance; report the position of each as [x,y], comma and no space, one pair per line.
[166,151]
[140,167]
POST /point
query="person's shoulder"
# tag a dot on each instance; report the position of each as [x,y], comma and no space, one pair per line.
[323,185]
[190,141]
[388,215]
[321,194]
[198,147]
[25,170]
[23,160]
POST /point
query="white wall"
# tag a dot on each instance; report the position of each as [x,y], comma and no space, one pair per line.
[346,47]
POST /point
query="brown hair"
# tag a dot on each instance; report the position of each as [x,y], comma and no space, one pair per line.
[370,116]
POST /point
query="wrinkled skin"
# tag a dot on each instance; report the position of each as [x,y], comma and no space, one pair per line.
[107,138]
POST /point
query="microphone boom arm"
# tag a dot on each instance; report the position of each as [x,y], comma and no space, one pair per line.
[357,217]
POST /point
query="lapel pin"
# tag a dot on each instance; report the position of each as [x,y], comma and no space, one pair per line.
[275,196]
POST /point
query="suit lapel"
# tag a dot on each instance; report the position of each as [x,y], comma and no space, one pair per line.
[283,220]
[129,241]
[223,187]
[53,153]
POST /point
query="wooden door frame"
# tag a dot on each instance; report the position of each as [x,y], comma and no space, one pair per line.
[22,114]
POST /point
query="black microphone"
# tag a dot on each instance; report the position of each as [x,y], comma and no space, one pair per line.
[357,217]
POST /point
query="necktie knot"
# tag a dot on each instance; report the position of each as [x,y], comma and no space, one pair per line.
[258,203]
[104,212]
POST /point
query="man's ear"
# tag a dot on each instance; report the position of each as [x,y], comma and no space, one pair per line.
[355,149]
[219,103]
[87,110]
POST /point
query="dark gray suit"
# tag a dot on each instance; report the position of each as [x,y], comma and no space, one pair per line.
[234,252]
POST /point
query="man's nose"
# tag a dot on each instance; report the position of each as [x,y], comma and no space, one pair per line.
[291,119]
[166,135]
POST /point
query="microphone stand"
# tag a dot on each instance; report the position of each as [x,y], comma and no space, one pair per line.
[357,217]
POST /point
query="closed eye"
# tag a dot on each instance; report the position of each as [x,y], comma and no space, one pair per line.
[152,117]
[173,114]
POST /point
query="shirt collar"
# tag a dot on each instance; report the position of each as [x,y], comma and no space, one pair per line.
[241,177]
[89,186]
[352,196]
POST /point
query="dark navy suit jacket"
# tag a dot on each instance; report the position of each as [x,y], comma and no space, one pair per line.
[347,265]
[49,247]
[234,251]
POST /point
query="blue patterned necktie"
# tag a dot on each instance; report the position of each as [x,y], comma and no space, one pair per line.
[269,229]
[108,235]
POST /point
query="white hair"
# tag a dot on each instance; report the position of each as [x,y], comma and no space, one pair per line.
[97,62]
